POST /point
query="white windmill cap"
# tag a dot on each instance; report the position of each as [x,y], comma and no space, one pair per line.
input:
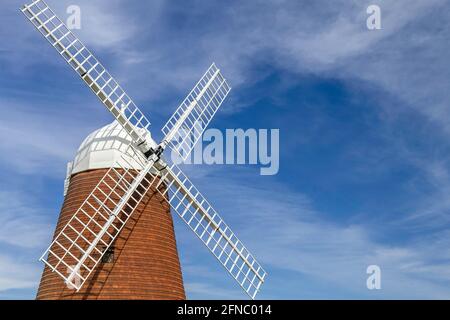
[103,147]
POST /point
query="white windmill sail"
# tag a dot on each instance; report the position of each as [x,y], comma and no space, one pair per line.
[79,246]
[75,53]
[187,124]
[205,222]
[75,252]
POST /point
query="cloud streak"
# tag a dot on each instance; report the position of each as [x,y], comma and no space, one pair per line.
[295,238]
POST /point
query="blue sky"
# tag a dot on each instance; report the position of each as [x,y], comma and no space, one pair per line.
[364,124]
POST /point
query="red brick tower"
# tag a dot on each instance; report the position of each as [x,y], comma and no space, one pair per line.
[143,263]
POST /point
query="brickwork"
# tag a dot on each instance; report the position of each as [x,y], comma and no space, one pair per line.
[145,261]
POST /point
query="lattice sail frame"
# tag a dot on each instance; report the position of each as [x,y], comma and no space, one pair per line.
[84,63]
[78,248]
[189,121]
[208,226]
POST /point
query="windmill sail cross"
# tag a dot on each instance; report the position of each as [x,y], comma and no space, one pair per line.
[88,234]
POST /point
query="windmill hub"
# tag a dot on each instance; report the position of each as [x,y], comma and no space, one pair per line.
[104,147]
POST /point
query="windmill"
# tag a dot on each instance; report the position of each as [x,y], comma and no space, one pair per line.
[83,242]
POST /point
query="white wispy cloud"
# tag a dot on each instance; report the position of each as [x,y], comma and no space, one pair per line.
[25,229]
[36,137]
[21,223]
[323,38]
[285,232]
[17,275]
